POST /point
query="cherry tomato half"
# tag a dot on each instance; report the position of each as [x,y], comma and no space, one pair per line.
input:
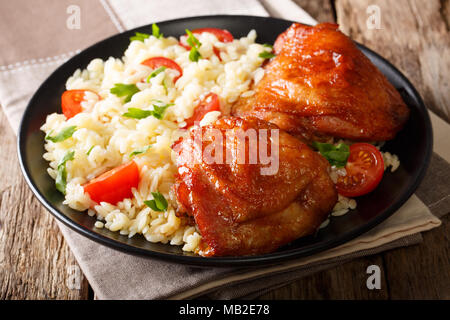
[114,185]
[157,62]
[221,34]
[71,102]
[209,103]
[365,168]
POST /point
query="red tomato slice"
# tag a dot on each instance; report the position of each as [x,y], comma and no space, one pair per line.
[71,102]
[114,185]
[209,103]
[365,168]
[221,34]
[157,62]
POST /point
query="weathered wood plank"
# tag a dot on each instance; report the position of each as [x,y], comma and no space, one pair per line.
[413,35]
[321,10]
[423,271]
[347,281]
[35,262]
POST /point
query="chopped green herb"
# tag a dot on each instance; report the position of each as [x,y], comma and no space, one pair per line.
[336,155]
[61,176]
[65,133]
[192,40]
[267,45]
[163,83]
[89,151]
[159,203]
[155,73]
[124,90]
[194,54]
[139,36]
[266,55]
[155,31]
[140,151]
[158,111]
[137,113]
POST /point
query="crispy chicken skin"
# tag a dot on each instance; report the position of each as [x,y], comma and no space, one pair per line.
[240,211]
[321,85]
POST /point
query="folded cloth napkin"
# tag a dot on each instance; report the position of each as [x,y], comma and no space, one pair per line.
[49,35]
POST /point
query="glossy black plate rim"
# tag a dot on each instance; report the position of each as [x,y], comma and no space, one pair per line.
[258,260]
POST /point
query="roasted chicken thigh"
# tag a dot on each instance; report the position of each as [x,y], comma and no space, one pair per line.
[320,85]
[246,206]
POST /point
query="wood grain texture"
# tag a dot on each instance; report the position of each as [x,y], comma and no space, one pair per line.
[321,10]
[413,35]
[423,271]
[35,262]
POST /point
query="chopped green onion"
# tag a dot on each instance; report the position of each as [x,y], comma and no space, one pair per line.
[159,203]
[124,90]
[267,45]
[65,133]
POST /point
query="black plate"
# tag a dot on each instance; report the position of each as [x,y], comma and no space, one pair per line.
[413,145]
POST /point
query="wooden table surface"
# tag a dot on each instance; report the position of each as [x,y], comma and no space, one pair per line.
[36,263]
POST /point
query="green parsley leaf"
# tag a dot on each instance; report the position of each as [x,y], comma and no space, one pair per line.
[61,176]
[155,31]
[137,113]
[158,111]
[336,155]
[155,73]
[267,45]
[139,36]
[140,151]
[194,54]
[159,203]
[65,133]
[192,41]
[124,90]
[266,55]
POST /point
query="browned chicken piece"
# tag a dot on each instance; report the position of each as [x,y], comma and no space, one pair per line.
[321,85]
[239,208]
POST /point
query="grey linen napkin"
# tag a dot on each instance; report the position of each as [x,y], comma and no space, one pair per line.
[48,38]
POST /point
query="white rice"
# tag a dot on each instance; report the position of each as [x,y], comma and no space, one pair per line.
[112,137]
